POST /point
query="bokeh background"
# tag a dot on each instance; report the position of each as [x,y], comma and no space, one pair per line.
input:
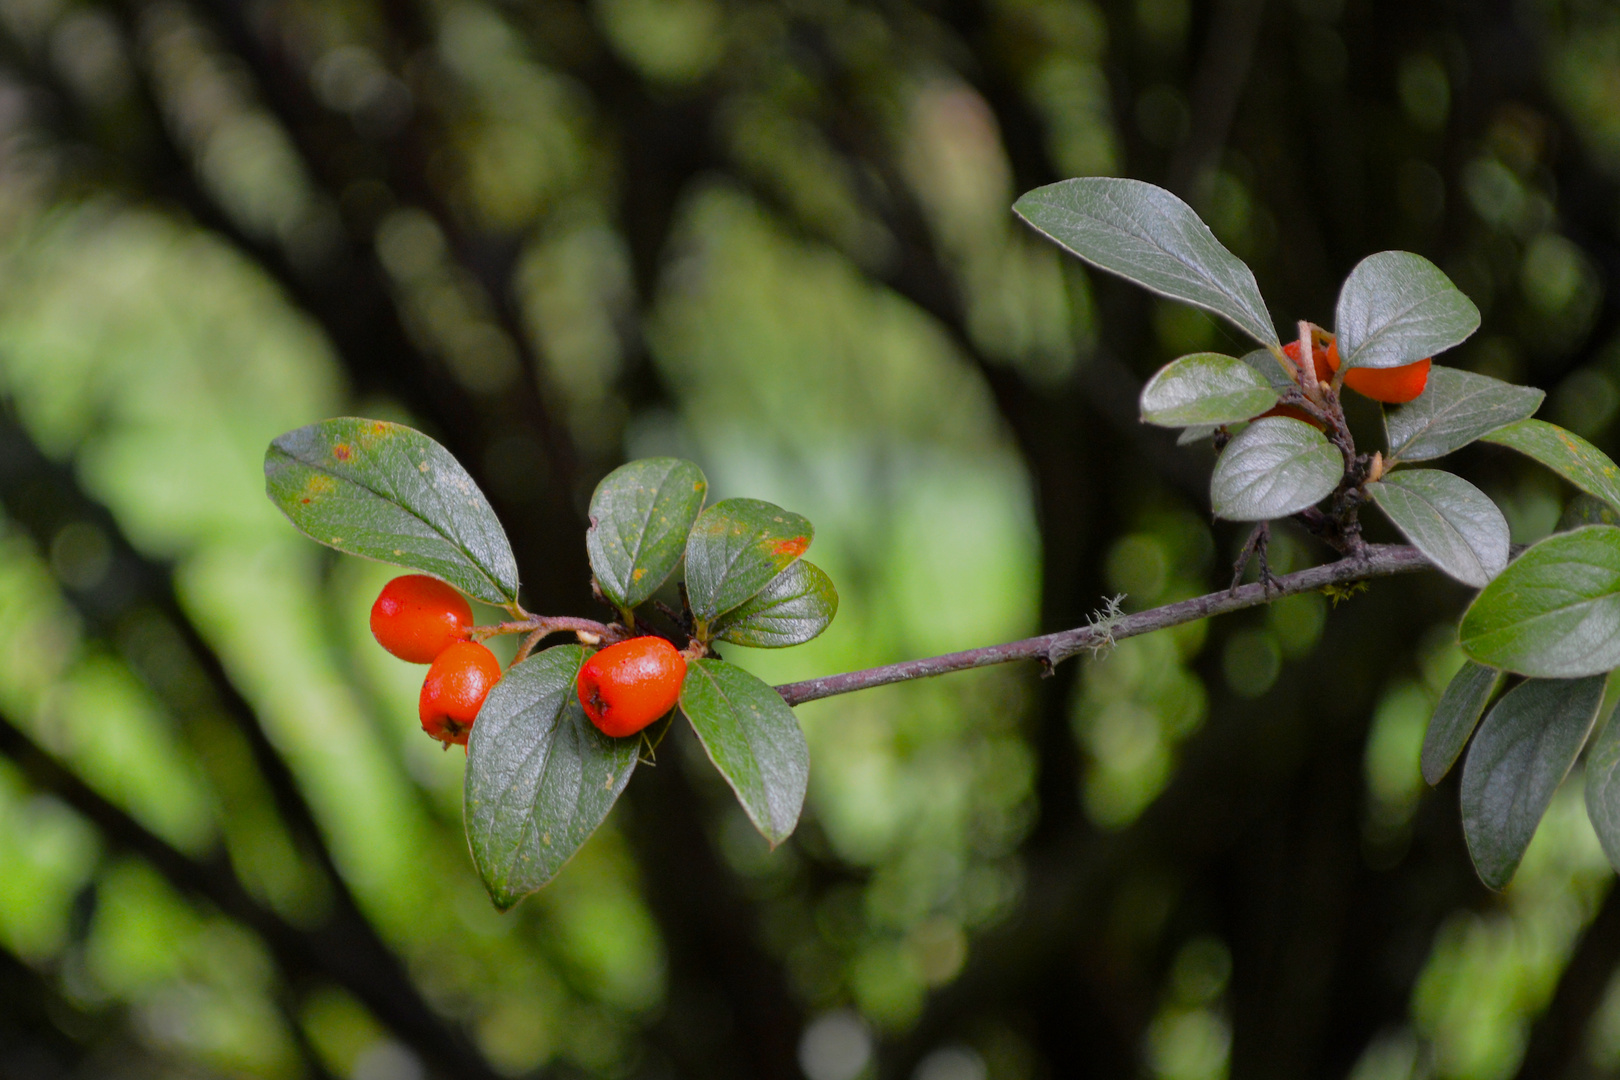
[774,238]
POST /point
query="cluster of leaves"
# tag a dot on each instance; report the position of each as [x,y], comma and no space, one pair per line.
[540,777]
[1550,615]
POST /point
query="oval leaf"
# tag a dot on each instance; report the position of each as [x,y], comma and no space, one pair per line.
[1456,408]
[540,776]
[1397,307]
[388,492]
[1265,362]
[1205,388]
[1521,754]
[753,738]
[1566,454]
[1555,611]
[1147,235]
[1450,520]
[1455,717]
[736,548]
[796,606]
[640,516]
[1274,467]
[1603,789]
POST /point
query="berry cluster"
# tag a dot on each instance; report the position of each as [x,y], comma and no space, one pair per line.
[622,688]
[423,620]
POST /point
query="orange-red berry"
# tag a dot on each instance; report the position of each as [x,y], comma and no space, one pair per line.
[627,686]
[454,690]
[417,617]
[1394,386]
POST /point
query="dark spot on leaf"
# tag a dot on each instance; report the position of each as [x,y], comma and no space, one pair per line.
[342,452]
[791,548]
[305,501]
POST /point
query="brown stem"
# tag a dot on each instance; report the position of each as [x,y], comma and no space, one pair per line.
[1377,560]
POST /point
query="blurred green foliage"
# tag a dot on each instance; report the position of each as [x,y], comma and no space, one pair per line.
[773,238]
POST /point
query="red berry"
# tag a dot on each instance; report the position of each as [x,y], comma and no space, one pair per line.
[417,617]
[1394,386]
[455,688]
[627,686]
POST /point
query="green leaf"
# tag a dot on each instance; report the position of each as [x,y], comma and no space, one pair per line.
[736,548]
[640,515]
[1396,308]
[1455,408]
[795,607]
[1555,611]
[1603,789]
[1147,235]
[1566,454]
[1455,717]
[1450,520]
[753,738]
[1196,433]
[540,777]
[1521,754]
[388,492]
[1264,361]
[1275,467]
[1205,388]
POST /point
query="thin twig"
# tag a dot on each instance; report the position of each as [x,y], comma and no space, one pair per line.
[1378,560]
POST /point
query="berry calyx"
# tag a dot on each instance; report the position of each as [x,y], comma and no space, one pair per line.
[454,690]
[627,686]
[417,617]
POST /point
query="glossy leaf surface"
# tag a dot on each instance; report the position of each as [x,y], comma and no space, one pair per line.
[736,548]
[1455,718]
[1555,610]
[1145,234]
[753,738]
[540,777]
[1521,753]
[1397,307]
[1456,408]
[640,515]
[388,492]
[798,604]
[1205,388]
[1566,454]
[1275,467]
[1450,520]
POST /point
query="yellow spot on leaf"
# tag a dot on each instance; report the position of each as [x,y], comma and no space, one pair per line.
[639,573]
